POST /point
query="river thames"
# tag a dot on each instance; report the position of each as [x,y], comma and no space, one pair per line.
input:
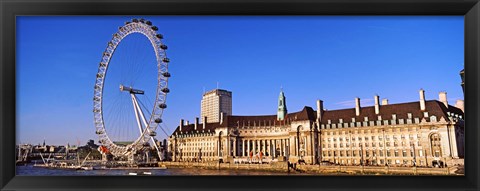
[30,170]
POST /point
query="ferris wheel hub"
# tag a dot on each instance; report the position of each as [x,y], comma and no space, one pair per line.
[131,90]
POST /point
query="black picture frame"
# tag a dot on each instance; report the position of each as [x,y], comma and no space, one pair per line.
[9,9]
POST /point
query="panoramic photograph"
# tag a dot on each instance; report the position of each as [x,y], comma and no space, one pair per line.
[207,95]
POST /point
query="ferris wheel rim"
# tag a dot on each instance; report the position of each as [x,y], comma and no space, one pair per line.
[162,61]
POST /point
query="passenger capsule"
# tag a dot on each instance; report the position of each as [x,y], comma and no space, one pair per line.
[99,75]
[96,98]
[159,36]
[96,110]
[97,87]
[158,120]
[148,23]
[166,74]
[165,90]
[135,20]
[99,132]
[102,64]
[164,47]
[166,60]
[142,20]
[163,106]
[155,28]
[106,54]
[128,22]
[153,134]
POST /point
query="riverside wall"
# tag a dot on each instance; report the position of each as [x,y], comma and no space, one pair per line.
[320,170]
[277,166]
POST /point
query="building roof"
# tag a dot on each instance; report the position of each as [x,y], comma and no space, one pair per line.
[217,91]
[191,128]
[433,107]
[401,110]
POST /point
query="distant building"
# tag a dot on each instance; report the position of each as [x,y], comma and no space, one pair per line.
[215,102]
[421,133]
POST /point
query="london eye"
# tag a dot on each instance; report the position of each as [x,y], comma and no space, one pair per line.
[130,98]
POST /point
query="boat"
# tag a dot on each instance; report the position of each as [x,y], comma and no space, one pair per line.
[86,168]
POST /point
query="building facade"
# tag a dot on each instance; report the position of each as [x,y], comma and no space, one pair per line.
[422,133]
[215,102]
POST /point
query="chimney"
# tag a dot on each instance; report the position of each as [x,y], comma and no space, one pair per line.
[204,121]
[319,110]
[188,122]
[221,117]
[357,106]
[377,104]
[460,105]
[196,123]
[384,101]
[181,124]
[422,99]
[442,97]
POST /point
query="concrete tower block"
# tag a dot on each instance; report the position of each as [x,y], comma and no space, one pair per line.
[377,104]
[442,97]
[357,106]
[422,99]
[460,104]
[384,101]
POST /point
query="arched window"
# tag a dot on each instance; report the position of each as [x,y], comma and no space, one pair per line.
[436,145]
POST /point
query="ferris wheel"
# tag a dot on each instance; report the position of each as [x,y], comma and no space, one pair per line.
[133,114]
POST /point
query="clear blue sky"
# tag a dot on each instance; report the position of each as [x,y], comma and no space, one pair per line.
[317,57]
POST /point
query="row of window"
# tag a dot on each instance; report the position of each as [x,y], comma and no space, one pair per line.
[382,161]
[380,153]
[371,131]
[380,138]
[388,144]
[196,154]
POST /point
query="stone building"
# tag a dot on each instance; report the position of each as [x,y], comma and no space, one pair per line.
[215,102]
[421,133]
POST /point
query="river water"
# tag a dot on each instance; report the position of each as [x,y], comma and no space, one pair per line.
[30,170]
